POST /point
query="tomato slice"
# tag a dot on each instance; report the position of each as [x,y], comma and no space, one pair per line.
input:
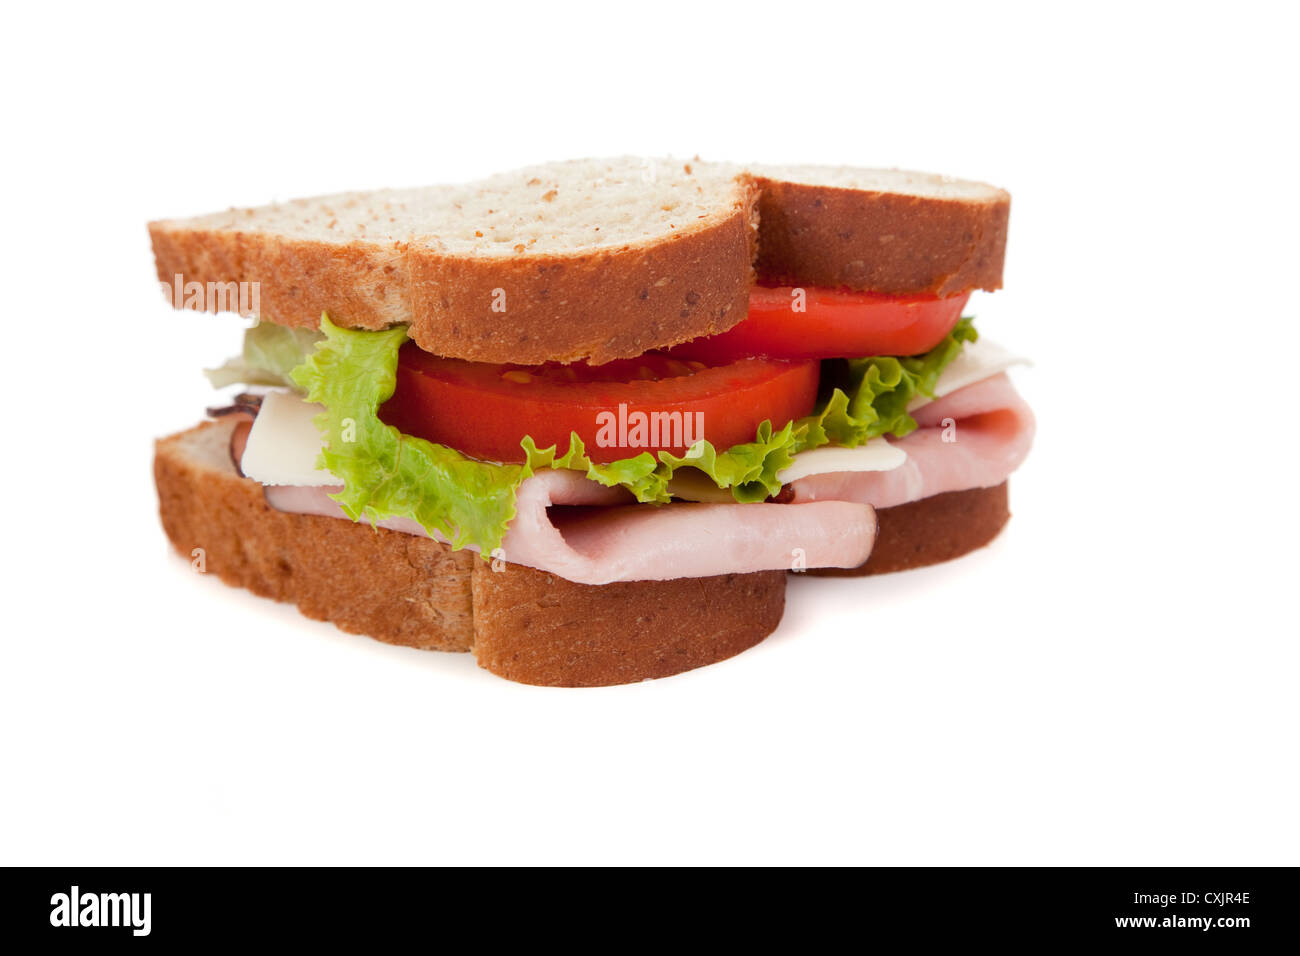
[834,324]
[655,402]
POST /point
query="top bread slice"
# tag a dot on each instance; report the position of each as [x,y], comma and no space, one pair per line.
[879,230]
[591,259]
[587,259]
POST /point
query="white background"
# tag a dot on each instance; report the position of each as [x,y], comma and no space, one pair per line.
[1113,682]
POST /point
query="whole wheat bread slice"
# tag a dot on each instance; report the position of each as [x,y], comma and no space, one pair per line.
[588,259]
[523,624]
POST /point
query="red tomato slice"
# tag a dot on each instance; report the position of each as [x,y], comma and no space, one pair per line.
[834,325]
[619,409]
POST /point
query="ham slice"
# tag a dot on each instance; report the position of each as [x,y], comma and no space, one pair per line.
[992,428]
[596,537]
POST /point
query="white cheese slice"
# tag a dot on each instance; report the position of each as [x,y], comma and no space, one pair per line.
[690,484]
[977,361]
[284,444]
[875,455]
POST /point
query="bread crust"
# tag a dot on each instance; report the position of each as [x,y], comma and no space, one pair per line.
[412,591]
[599,305]
[608,304]
[879,241]
[932,530]
[362,285]
[522,624]
[537,628]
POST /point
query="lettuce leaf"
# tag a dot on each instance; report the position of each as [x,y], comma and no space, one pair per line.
[749,470]
[640,475]
[388,474]
[869,396]
[270,353]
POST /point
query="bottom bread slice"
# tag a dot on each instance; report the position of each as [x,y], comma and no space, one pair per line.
[541,629]
[523,624]
[932,530]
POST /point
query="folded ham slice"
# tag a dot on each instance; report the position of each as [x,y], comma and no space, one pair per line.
[991,431]
[596,537]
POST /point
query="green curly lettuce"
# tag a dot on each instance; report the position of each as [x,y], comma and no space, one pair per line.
[640,474]
[749,470]
[870,396]
[387,474]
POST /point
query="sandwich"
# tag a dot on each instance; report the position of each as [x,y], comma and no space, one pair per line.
[585,419]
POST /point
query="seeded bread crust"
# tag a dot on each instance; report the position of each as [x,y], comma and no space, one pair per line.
[537,628]
[522,624]
[396,588]
[601,306]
